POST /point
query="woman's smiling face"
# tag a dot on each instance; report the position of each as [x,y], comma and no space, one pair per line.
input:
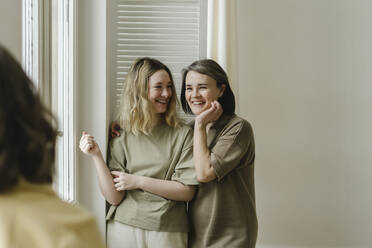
[201,91]
[160,91]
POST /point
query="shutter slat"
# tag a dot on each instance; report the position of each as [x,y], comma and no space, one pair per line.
[152,14]
[150,47]
[144,36]
[139,53]
[159,43]
[156,9]
[151,25]
[158,30]
[123,4]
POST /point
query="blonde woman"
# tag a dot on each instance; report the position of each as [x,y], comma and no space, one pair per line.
[150,173]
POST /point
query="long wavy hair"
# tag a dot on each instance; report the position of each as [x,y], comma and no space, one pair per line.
[136,113]
[27,136]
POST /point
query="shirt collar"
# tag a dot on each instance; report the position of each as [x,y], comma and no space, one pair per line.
[216,127]
[26,186]
[222,121]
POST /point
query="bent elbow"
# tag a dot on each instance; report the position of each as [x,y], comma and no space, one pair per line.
[206,176]
[114,202]
[186,194]
[205,172]
[188,198]
[202,178]
[190,194]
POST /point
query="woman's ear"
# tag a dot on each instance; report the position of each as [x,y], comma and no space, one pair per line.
[222,90]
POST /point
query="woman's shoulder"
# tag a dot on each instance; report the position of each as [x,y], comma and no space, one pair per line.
[31,203]
[186,126]
[118,141]
[36,199]
[241,121]
[237,124]
[182,129]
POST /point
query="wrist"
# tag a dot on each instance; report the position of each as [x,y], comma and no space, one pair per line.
[140,182]
[98,156]
[199,125]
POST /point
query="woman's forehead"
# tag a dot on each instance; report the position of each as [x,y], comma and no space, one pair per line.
[194,77]
[160,76]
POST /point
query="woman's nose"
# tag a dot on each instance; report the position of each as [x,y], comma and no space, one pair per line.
[194,93]
[166,92]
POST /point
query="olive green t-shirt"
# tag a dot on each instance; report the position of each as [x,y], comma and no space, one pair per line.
[165,154]
[223,211]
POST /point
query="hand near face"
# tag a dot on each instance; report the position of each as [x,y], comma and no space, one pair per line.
[88,145]
[211,114]
[124,181]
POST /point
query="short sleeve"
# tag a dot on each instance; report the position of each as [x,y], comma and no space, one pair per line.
[185,170]
[235,147]
[116,157]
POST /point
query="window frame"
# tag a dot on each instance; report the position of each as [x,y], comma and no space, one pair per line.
[49,49]
[64,93]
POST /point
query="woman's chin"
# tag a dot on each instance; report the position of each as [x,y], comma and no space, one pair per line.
[198,110]
[160,110]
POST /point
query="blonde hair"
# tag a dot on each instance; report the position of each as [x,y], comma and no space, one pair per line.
[136,113]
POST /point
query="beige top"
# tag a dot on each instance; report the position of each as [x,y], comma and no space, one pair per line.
[165,154]
[223,211]
[32,216]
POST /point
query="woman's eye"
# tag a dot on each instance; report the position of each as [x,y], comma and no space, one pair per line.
[202,87]
[188,89]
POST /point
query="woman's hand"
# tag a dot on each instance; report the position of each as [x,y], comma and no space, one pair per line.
[211,114]
[124,181]
[114,129]
[88,145]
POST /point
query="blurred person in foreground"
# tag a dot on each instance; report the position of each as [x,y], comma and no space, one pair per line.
[31,214]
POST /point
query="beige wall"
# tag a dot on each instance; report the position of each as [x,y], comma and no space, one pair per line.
[305,81]
[11,26]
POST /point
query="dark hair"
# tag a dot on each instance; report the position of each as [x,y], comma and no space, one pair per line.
[210,68]
[27,137]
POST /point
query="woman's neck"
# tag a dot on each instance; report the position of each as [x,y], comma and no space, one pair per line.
[160,119]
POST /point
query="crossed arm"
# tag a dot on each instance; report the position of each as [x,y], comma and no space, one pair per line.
[171,190]
[113,185]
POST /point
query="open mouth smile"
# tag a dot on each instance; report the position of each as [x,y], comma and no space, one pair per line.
[162,101]
[197,103]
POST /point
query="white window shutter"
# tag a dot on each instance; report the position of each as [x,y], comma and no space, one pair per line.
[172,31]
